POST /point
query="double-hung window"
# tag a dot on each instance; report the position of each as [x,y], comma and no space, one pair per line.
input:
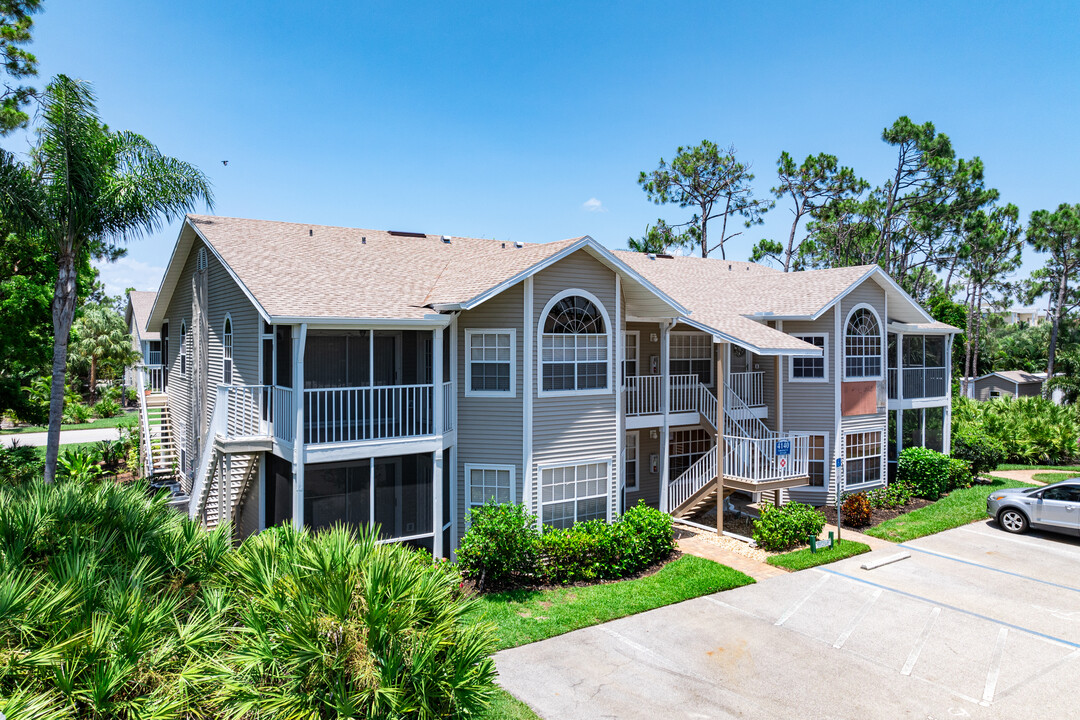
[490,357]
[630,461]
[811,369]
[574,493]
[862,458]
[630,353]
[816,467]
[183,347]
[574,347]
[691,354]
[487,483]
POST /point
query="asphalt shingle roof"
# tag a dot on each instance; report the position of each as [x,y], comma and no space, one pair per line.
[141,303]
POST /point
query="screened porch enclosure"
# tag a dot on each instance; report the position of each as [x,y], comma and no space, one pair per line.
[369,385]
[396,493]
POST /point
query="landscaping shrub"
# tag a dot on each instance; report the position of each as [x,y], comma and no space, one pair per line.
[896,494]
[927,471]
[76,413]
[856,509]
[19,464]
[504,548]
[501,545]
[116,606]
[1030,429]
[975,445]
[78,465]
[960,475]
[782,527]
[107,408]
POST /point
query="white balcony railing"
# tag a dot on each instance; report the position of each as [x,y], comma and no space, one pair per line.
[153,357]
[749,386]
[334,415]
[282,414]
[449,405]
[642,394]
[153,378]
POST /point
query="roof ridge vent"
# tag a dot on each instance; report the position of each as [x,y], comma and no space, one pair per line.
[406,233]
[665,256]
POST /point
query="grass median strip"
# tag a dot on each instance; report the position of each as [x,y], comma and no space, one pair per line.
[1053,477]
[525,616]
[98,424]
[959,507]
[802,559]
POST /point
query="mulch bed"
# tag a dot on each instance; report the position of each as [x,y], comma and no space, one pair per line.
[877,515]
[471,587]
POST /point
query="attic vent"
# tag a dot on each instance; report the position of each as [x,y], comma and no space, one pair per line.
[446,239]
[402,233]
[504,245]
[363,240]
[519,244]
[310,232]
[652,256]
[200,259]
[729,266]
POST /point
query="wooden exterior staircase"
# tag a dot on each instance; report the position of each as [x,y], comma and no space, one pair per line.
[228,479]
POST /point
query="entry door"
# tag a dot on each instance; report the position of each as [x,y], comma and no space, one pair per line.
[1059,506]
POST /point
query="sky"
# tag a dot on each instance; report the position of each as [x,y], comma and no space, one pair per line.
[531,121]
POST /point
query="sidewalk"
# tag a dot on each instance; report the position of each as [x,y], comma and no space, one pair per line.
[67,437]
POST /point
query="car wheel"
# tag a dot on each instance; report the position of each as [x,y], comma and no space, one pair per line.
[1013,521]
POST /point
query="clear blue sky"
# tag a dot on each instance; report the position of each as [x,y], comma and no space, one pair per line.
[506,120]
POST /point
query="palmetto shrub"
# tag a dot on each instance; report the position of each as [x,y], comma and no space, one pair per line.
[112,605]
[1031,430]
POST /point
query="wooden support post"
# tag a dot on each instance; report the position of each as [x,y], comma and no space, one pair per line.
[721,388]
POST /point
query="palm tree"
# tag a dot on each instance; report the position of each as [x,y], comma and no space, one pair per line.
[87,190]
[101,340]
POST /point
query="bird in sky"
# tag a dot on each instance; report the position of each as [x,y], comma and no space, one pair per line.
[225,163]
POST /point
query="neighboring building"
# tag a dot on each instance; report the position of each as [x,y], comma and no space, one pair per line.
[1007,383]
[1027,314]
[317,374]
[147,343]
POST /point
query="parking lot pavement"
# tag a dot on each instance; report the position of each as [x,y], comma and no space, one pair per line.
[976,624]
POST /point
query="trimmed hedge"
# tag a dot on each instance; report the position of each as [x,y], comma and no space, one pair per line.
[503,547]
[975,445]
[930,473]
[782,527]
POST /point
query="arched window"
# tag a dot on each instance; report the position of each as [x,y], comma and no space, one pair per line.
[862,344]
[183,347]
[574,345]
[226,344]
[200,259]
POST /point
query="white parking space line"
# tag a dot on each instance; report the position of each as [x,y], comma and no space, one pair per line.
[995,666]
[913,657]
[653,656]
[857,619]
[795,608]
[1040,672]
[729,606]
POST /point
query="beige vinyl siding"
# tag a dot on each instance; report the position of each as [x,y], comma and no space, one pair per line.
[223,296]
[489,429]
[570,429]
[1007,388]
[647,347]
[1030,389]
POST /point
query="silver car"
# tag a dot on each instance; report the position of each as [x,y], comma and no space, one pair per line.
[1054,507]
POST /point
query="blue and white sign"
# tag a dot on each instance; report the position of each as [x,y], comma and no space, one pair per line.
[783,447]
[839,462]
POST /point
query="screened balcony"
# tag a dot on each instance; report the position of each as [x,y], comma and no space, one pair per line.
[918,367]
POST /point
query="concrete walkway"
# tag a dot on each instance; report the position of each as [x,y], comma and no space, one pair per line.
[1024,475]
[711,551]
[67,437]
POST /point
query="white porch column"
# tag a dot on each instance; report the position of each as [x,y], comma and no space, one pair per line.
[437,494]
[665,408]
[720,449]
[436,379]
[299,338]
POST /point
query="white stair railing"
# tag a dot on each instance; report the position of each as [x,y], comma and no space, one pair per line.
[218,426]
[697,476]
[144,425]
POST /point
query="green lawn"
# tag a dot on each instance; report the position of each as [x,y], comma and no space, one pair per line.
[802,559]
[40,449]
[1070,468]
[525,616]
[959,507]
[1052,477]
[96,424]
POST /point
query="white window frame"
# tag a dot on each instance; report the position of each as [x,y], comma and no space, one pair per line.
[824,487]
[637,353]
[182,355]
[824,359]
[883,336]
[512,392]
[469,467]
[227,333]
[627,485]
[882,456]
[609,332]
[708,343]
[540,488]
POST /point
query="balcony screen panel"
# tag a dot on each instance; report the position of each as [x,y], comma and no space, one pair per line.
[935,351]
[403,495]
[336,360]
[337,494]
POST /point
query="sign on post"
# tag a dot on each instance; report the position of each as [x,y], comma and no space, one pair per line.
[783,447]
